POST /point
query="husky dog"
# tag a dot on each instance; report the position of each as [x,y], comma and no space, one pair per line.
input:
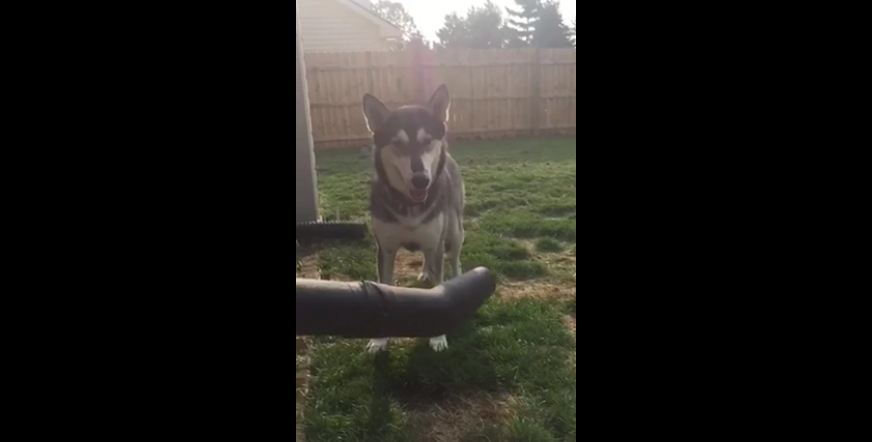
[417,194]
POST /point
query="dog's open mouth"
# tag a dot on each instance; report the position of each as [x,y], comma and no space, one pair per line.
[418,196]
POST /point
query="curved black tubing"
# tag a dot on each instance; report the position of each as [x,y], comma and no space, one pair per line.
[371,310]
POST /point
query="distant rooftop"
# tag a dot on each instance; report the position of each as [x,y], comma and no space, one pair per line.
[366,3]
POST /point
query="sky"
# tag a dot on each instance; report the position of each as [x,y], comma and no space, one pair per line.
[430,15]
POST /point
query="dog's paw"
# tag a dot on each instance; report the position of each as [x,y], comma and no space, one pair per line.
[439,343]
[377,345]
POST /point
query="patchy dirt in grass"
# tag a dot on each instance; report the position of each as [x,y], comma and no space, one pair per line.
[307,264]
[309,268]
[569,321]
[451,419]
[536,289]
[407,268]
[564,259]
[561,264]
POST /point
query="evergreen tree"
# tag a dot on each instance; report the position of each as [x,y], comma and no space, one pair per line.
[523,20]
[574,34]
[549,30]
[512,38]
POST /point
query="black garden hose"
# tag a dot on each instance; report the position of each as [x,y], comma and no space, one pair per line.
[371,310]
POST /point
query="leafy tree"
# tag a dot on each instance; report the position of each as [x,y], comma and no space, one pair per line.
[395,13]
[482,28]
[486,27]
[454,33]
[534,24]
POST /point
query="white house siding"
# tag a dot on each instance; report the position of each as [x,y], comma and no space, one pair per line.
[329,26]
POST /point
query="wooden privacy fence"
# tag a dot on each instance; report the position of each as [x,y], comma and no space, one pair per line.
[494,92]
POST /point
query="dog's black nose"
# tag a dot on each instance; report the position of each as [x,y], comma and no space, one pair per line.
[420,181]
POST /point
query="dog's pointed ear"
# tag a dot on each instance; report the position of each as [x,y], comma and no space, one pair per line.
[375,112]
[440,103]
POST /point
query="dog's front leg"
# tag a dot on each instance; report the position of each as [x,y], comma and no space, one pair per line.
[434,266]
[386,258]
[434,263]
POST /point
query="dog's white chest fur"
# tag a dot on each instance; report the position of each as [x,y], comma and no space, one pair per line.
[410,232]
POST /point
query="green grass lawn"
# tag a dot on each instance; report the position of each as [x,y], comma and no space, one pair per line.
[509,375]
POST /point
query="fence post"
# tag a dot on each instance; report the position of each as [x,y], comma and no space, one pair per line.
[536,92]
[306,181]
[421,56]
[370,80]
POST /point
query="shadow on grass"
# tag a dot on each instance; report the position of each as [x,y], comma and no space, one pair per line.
[518,346]
[379,421]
